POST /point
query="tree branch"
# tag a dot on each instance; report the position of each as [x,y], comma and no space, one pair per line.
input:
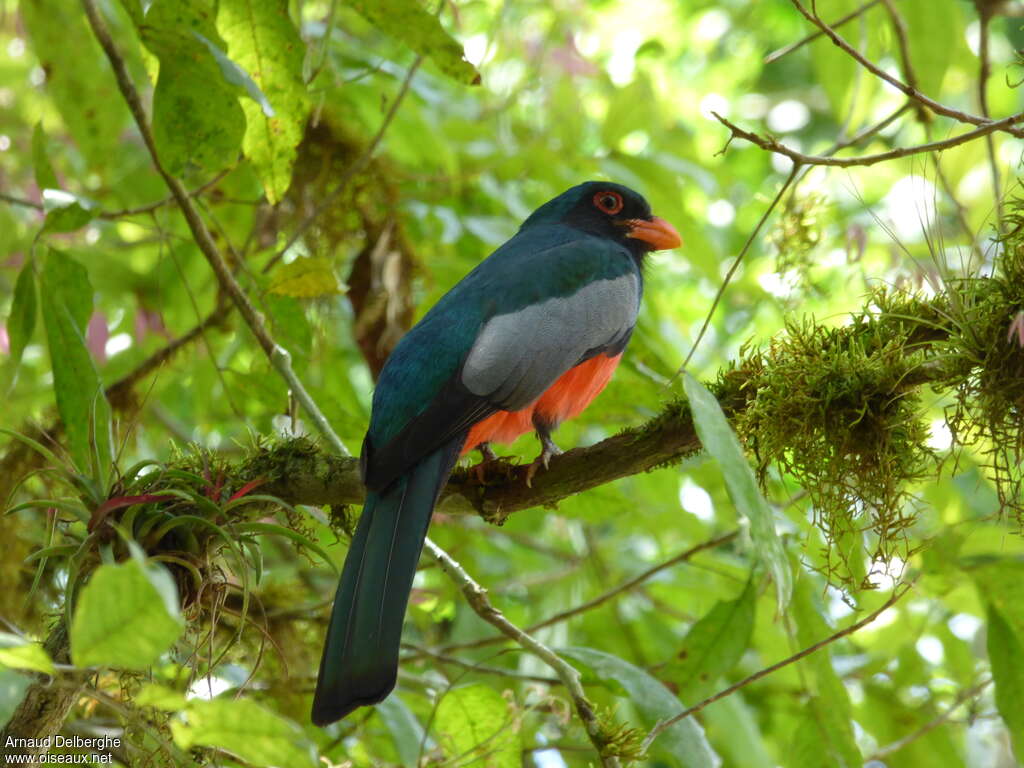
[278,355]
[913,93]
[299,473]
[771,144]
[788,49]
[477,598]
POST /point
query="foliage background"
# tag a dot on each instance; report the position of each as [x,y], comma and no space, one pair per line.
[267,107]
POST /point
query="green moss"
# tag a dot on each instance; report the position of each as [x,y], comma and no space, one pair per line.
[833,408]
[989,410]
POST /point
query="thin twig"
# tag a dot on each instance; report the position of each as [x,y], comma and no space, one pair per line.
[788,49]
[984,70]
[278,355]
[477,598]
[931,725]
[660,727]
[124,212]
[638,579]
[739,259]
[870,131]
[350,172]
[895,82]
[325,46]
[610,594]
[419,652]
[771,144]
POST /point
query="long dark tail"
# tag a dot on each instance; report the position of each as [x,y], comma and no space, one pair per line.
[360,661]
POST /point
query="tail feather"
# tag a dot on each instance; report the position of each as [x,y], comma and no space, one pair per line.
[360,660]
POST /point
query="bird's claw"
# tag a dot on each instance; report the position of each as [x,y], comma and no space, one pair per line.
[489,457]
[549,449]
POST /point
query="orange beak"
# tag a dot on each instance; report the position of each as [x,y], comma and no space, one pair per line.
[658,232]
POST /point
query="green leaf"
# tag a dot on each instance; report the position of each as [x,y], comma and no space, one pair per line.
[999,584]
[66,304]
[733,727]
[305,278]
[160,697]
[406,731]
[66,212]
[685,740]
[713,646]
[12,690]
[237,76]
[22,321]
[477,727]
[244,728]
[262,38]
[291,327]
[197,120]
[633,108]
[406,20]
[829,713]
[78,78]
[720,441]
[1005,652]
[934,30]
[18,653]
[45,177]
[127,616]
[66,282]
[834,70]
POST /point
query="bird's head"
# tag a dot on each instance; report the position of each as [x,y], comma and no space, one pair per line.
[609,210]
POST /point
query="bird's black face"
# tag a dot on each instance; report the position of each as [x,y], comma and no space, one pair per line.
[618,213]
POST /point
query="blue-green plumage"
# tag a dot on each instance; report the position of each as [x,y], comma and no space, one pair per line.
[565,289]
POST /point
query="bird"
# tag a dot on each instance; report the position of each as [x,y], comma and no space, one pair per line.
[523,342]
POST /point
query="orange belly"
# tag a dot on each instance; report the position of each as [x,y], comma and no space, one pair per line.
[563,400]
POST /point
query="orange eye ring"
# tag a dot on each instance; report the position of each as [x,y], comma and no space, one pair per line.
[608,202]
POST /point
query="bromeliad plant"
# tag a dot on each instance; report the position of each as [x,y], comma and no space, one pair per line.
[189,516]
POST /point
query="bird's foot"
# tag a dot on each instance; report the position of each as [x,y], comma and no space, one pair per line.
[490,459]
[548,450]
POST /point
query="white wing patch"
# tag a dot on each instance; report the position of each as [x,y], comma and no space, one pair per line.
[517,356]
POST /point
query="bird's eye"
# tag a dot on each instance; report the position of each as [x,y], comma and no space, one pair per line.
[608,202]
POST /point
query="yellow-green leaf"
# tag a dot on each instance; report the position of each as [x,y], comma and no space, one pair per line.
[713,646]
[720,441]
[406,20]
[18,653]
[66,303]
[244,728]
[827,737]
[477,727]
[126,617]
[262,39]
[306,278]
[1005,651]
[197,121]
[160,697]
[22,320]
[78,77]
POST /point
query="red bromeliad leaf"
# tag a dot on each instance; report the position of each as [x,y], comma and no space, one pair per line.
[247,488]
[119,502]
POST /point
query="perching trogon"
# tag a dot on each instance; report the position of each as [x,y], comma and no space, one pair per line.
[524,341]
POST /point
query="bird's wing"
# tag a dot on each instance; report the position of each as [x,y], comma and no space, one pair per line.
[518,353]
